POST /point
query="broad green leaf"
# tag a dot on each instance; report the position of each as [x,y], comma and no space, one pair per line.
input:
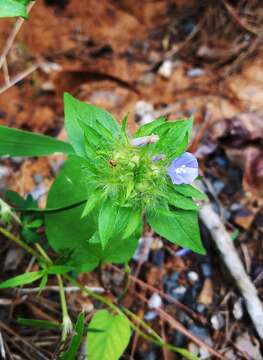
[14,142]
[40,324]
[111,340]
[10,8]
[179,201]
[178,226]
[77,113]
[190,191]
[71,353]
[23,279]
[65,229]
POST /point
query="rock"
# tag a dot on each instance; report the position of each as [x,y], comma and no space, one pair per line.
[13,259]
[192,276]
[206,269]
[144,112]
[195,72]
[166,69]
[217,321]
[150,315]
[155,301]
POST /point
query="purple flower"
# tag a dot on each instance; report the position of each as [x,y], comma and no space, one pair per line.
[184,169]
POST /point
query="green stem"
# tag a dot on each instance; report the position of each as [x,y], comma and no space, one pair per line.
[67,324]
[19,242]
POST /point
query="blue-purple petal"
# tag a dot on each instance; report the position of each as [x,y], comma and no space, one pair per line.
[184,169]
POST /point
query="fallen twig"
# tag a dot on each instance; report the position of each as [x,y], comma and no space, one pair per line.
[233,263]
[19,77]
[68,289]
[12,36]
[182,329]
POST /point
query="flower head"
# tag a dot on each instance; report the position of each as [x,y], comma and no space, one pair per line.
[184,169]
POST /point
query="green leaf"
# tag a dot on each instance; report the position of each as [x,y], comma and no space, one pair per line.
[186,354]
[124,123]
[111,340]
[190,191]
[134,222]
[107,217]
[14,142]
[179,201]
[178,226]
[59,269]
[42,284]
[77,113]
[92,201]
[150,128]
[23,279]
[36,223]
[71,353]
[10,8]
[174,138]
[40,324]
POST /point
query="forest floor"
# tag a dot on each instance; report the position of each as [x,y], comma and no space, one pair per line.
[158,58]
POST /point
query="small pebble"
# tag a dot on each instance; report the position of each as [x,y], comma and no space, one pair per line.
[39,191]
[206,269]
[13,259]
[183,252]
[195,72]
[38,178]
[179,292]
[166,69]
[144,112]
[217,321]
[150,315]
[218,186]
[192,276]
[155,301]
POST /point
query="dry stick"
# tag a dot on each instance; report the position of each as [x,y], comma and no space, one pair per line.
[18,337]
[68,289]
[179,327]
[19,77]
[167,297]
[12,36]
[234,265]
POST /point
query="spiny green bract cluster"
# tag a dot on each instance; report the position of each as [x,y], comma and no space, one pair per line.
[127,175]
